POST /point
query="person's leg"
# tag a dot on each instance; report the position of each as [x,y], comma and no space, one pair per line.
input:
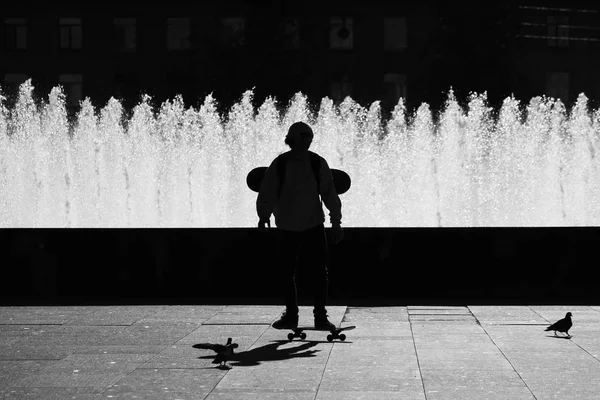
[288,246]
[314,246]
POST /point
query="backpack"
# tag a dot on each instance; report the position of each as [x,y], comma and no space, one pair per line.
[315,163]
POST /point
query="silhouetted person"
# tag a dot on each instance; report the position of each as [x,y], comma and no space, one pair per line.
[290,190]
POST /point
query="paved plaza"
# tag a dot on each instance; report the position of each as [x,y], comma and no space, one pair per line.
[406,352]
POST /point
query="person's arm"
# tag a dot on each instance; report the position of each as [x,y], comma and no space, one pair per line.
[267,195]
[329,195]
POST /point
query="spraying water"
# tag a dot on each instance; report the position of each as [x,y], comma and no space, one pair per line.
[534,165]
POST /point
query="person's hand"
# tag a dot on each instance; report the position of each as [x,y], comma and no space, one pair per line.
[337,234]
[263,224]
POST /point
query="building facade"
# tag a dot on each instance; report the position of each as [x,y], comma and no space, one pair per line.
[374,51]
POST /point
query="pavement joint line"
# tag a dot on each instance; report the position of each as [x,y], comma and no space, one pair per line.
[412,335]
[326,362]
[506,358]
[591,355]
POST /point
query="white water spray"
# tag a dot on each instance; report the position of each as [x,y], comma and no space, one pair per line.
[186,167]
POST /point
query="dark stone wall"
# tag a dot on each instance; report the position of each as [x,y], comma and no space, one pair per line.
[372,266]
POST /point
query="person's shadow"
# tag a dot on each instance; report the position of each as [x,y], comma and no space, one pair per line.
[269,352]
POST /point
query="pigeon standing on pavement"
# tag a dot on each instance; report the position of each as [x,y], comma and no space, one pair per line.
[562,325]
[224,351]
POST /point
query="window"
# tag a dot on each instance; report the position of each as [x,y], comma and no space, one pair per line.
[70,33]
[289,34]
[178,34]
[340,88]
[394,36]
[15,33]
[233,31]
[73,88]
[394,87]
[341,35]
[125,34]
[557,85]
[558,31]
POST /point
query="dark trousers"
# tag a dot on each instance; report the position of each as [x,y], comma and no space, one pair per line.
[312,244]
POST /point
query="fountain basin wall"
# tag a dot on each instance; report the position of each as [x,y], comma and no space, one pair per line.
[371,265]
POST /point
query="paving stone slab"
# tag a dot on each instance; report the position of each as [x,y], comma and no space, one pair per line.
[72,339]
[17,330]
[419,328]
[116,315]
[165,384]
[581,315]
[463,360]
[220,333]
[79,370]
[444,317]
[41,315]
[63,380]
[474,384]
[368,351]
[411,391]
[445,311]
[384,314]
[589,344]
[434,307]
[569,382]
[182,356]
[260,395]
[123,349]
[179,314]
[403,362]
[505,314]
[452,341]
[154,334]
[19,351]
[90,363]
[52,393]
[369,378]
[272,377]
[11,371]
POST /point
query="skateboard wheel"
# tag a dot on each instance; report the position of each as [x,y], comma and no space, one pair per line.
[342,337]
[303,336]
[290,336]
[330,338]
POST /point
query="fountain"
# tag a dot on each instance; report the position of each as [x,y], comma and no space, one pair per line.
[533,165]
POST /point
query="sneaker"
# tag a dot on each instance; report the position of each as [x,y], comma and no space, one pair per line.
[321,322]
[287,321]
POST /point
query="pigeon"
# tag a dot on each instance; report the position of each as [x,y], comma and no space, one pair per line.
[224,352]
[562,325]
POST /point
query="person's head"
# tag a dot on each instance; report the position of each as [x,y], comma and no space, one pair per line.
[299,136]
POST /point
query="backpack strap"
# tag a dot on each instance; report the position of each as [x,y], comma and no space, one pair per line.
[281,164]
[315,163]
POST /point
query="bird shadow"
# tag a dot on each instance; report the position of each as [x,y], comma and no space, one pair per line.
[559,337]
[269,352]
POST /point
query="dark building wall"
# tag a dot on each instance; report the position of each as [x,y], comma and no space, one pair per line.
[501,49]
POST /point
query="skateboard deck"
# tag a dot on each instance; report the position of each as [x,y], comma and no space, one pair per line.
[341,180]
[333,333]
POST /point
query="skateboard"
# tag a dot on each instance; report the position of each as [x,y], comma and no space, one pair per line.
[333,333]
[341,180]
